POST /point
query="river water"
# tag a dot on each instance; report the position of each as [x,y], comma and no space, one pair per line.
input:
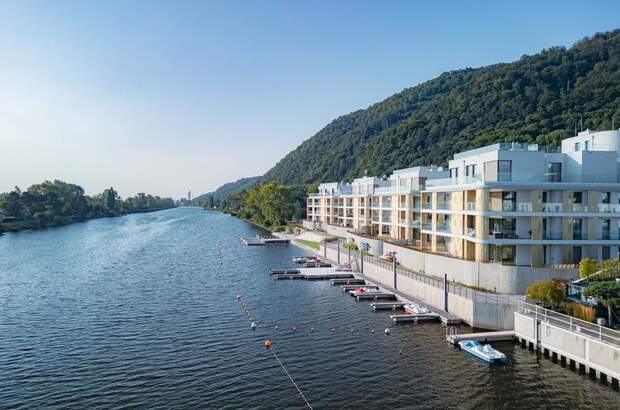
[140,311]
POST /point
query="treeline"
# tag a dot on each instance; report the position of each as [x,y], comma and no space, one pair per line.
[59,203]
[270,204]
[539,98]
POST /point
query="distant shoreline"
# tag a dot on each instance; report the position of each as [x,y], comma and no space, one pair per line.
[32,225]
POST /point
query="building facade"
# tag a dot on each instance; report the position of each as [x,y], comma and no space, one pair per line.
[509,203]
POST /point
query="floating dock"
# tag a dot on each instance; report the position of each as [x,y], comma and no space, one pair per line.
[283,271]
[347,288]
[352,281]
[423,317]
[387,305]
[482,336]
[374,296]
[311,274]
[262,240]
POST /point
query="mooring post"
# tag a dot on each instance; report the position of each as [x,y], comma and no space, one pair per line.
[338,248]
[349,253]
[362,259]
[394,271]
[325,250]
[445,292]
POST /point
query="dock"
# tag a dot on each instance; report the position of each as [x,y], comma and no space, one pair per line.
[311,274]
[423,317]
[374,296]
[283,271]
[347,288]
[262,240]
[482,336]
[387,305]
[352,281]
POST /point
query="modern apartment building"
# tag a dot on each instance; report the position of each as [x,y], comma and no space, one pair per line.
[516,204]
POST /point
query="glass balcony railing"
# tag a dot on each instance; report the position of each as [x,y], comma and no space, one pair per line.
[416,223]
[579,235]
[509,234]
[552,207]
[427,227]
[443,228]
[443,205]
[427,205]
[470,206]
[552,235]
[605,234]
[609,207]
[469,232]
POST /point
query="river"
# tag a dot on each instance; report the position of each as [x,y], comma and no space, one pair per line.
[140,311]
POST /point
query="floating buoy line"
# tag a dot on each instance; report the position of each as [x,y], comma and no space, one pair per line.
[219,254]
[275,355]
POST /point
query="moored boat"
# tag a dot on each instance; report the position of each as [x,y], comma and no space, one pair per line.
[364,290]
[415,309]
[484,352]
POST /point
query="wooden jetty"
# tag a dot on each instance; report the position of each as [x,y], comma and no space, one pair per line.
[289,276]
[374,296]
[482,336]
[387,305]
[423,317]
[262,240]
[283,271]
[352,281]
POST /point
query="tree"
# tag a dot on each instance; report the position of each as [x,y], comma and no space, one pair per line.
[110,199]
[551,292]
[608,293]
[610,269]
[587,267]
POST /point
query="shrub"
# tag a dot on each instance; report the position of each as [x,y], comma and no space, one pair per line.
[551,292]
[580,311]
[587,267]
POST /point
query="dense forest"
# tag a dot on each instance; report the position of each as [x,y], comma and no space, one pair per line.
[271,204]
[211,198]
[59,203]
[539,98]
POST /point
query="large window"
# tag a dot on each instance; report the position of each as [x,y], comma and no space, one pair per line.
[605,253]
[576,254]
[470,170]
[577,197]
[606,224]
[606,197]
[454,172]
[498,171]
[554,172]
[577,229]
[509,201]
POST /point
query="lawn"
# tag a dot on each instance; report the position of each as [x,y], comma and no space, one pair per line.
[310,244]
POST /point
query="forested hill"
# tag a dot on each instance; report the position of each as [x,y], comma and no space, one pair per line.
[228,188]
[537,98]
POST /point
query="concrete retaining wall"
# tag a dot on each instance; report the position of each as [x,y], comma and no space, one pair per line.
[477,312]
[491,276]
[593,354]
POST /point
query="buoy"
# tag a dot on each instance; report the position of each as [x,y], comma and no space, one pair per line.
[276,327]
[311,329]
[387,331]
[294,328]
[267,344]
[351,330]
[333,330]
[372,331]
[238,296]
[400,352]
[253,325]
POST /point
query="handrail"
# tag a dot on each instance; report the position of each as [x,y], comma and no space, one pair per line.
[573,324]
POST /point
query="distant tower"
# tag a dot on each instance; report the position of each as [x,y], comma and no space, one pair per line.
[189,195]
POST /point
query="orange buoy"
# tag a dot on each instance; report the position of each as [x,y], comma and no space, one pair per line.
[267,344]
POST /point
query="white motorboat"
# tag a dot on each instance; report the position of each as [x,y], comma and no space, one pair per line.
[484,352]
[415,309]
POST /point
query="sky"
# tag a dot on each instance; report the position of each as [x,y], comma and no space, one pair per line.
[169,96]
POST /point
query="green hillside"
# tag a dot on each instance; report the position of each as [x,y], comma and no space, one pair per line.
[537,98]
[227,189]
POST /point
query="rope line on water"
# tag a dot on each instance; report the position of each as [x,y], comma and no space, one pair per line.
[249,315]
[291,379]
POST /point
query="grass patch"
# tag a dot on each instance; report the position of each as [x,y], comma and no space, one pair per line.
[310,244]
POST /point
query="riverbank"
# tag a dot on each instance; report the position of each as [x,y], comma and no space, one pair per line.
[33,224]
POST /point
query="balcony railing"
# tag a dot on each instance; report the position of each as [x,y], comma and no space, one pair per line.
[443,205]
[443,228]
[555,235]
[469,232]
[605,234]
[580,208]
[427,227]
[416,223]
[579,235]
[509,234]
[609,207]
[427,205]
[470,206]
[552,207]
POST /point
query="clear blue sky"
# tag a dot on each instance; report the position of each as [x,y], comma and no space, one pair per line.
[164,97]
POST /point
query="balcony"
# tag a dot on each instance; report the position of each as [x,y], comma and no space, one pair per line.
[579,235]
[469,232]
[605,234]
[444,205]
[427,227]
[443,228]
[508,234]
[552,207]
[427,205]
[609,208]
[470,206]
[580,208]
[416,223]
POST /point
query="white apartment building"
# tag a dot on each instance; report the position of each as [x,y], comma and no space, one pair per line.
[509,203]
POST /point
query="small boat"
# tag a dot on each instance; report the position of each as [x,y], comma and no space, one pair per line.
[415,309]
[364,290]
[484,352]
[304,259]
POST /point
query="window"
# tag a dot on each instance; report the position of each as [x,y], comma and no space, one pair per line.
[554,172]
[454,172]
[576,254]
[606,197]
[545,197]
[577,146]
[577,225]
[508,255]
[605,252]
[498,171]
[577,197]
[586,145]
[605,228]
[509,201]
[470,170]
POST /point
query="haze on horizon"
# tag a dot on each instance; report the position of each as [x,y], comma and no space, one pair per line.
[165,97]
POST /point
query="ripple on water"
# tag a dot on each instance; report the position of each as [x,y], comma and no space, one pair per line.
[137,311]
